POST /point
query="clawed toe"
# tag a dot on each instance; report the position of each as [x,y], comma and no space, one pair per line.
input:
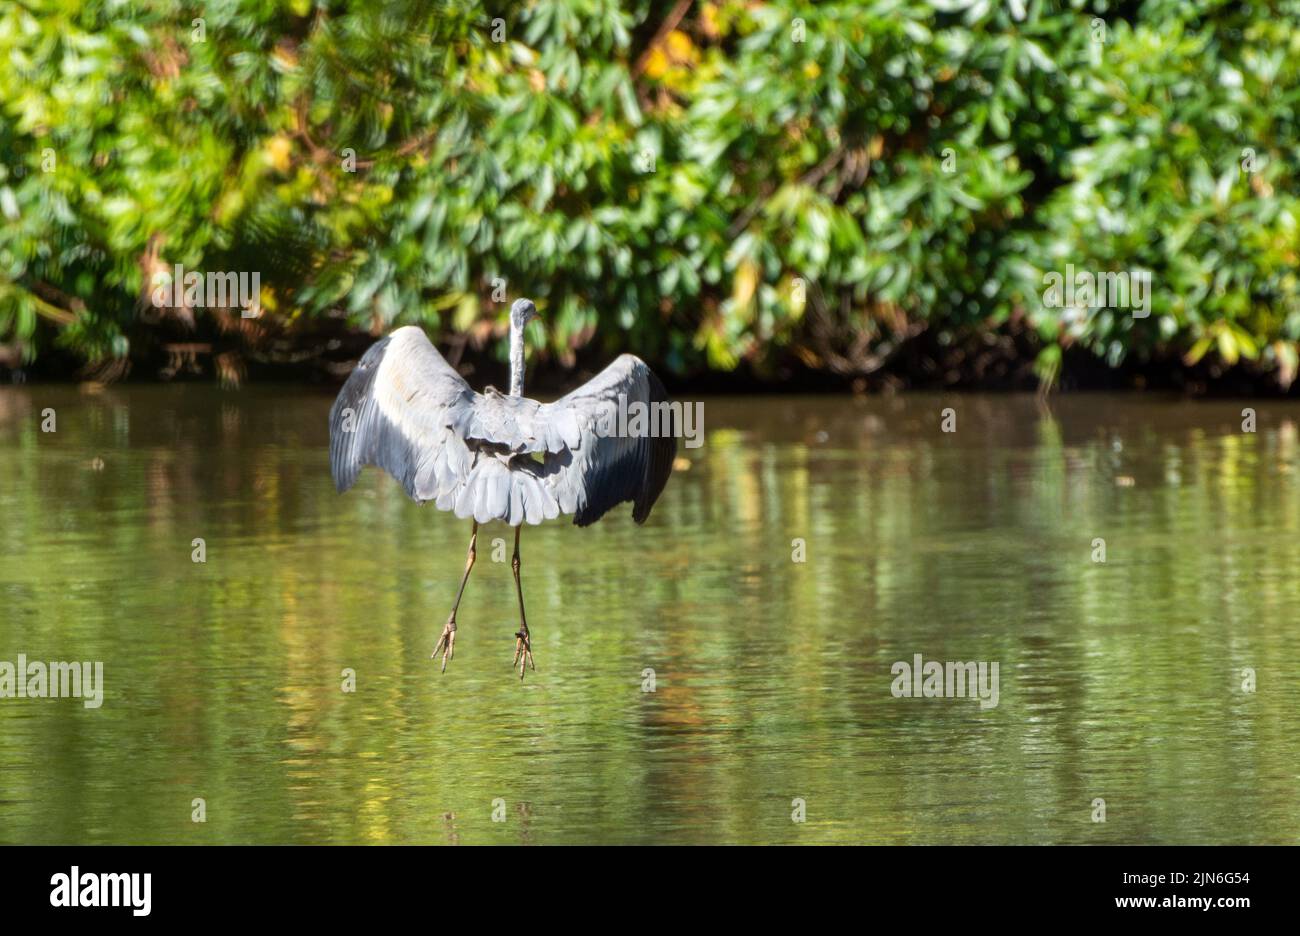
[446,644]
[523,652]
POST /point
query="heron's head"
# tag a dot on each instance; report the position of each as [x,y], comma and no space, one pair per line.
[522,312]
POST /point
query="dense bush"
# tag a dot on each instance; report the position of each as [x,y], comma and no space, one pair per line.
[704,183]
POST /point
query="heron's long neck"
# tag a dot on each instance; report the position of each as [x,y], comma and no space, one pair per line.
[516,360]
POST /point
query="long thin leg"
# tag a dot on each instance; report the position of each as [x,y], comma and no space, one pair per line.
[523,647]
[447,642]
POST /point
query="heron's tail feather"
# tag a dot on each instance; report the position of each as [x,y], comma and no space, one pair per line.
[497,491]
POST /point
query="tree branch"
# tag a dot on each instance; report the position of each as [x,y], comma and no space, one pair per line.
[668,25]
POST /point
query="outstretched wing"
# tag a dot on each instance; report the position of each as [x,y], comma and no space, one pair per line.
[398,410]
[614,460]
[406,410]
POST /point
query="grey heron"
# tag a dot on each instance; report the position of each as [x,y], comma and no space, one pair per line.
[493,456]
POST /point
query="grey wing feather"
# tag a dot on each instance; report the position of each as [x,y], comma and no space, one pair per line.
[398,410]
[607,468]
[406,410]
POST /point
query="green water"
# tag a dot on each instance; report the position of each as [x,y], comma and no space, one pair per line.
[223,680]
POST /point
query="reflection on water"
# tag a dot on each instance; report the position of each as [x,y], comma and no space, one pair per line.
[1120,681]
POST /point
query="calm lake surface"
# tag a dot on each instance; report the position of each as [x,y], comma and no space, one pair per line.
[1121,681]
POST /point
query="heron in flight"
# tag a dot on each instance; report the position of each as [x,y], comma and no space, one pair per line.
[492,456]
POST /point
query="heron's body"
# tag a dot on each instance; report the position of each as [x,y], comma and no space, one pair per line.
[491,456]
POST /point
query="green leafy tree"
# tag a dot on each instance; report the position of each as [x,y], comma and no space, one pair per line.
[709,184]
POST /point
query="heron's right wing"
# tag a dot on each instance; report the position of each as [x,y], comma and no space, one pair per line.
[399,409]
[605,468]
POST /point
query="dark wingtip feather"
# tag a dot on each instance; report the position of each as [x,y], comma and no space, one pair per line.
[650,466]
[663,450]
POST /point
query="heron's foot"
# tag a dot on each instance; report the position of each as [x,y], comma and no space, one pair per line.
[446,643]
[523,651]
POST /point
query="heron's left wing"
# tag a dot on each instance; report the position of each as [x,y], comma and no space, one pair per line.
[398,410]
